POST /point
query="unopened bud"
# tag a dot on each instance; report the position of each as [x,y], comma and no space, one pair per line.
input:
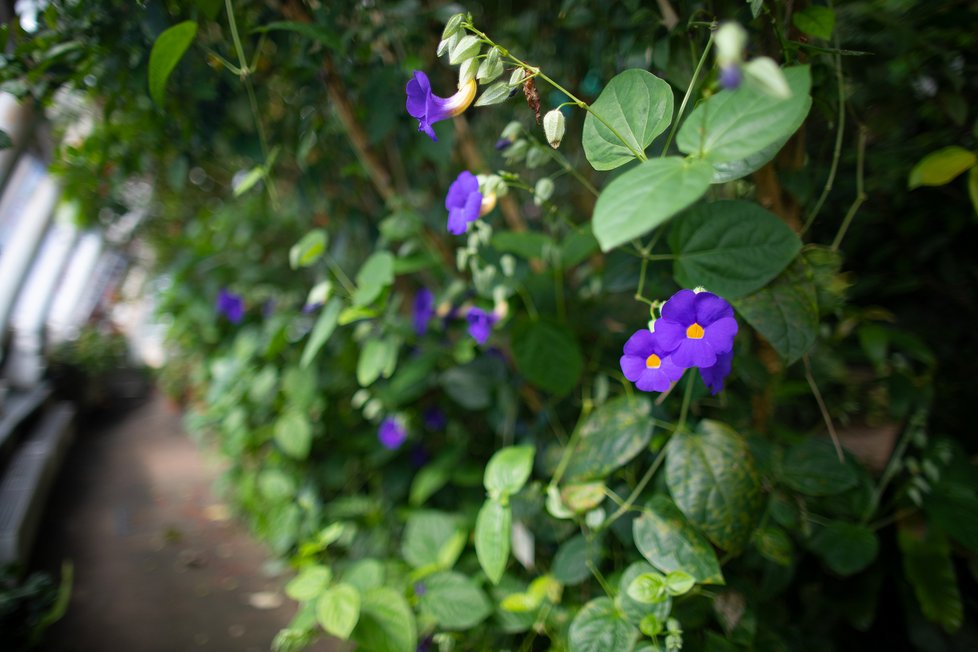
[512,131]
[554,126]
[467,71]
[453,25]
[730,40]
[543,190]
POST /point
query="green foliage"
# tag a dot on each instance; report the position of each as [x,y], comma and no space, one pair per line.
[167,51]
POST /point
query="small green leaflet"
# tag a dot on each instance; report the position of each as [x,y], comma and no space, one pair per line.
[167,51]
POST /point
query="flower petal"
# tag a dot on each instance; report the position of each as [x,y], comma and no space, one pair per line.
[710,307]
[715,376]
[694,353]
[669,334]
[680,308]
[720,334]
[641,343]
[632,366]
[456,221]
[653,380]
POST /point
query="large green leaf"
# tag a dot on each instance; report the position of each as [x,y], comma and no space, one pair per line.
[670,542]
[508,470]
[600,627]
[732,170]
[785,312]
[386,622]
[730,247]
[612,435]
[646,197]
[322,331]
[167,51]
[634,610]
[432,539]
[847,548]
[928,567]
[712,478]
[734,125]
[454,601]
[378,357]
[338,610]
[309,583]
[638,105]
[293,434]
[813,468]
[548,355]
[493,527]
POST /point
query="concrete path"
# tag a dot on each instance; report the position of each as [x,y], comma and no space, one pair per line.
[159,564]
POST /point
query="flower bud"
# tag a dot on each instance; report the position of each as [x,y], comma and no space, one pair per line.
[467,48]
[512,131]
[543,190]
[730,40]
[453,25]
[467,71]
[554,127]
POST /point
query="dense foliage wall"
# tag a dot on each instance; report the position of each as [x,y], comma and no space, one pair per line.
[447,428]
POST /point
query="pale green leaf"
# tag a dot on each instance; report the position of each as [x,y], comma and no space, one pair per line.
[454,601]
[309,583]
[941,167]
[493,528]
[167,51]
[309,249]
[508,470]
[386,622]
[338,610]
[293,434]
[321,332]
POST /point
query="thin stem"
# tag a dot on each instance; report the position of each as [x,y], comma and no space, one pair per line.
[823,409]
[687,397]
[339,273]
[610,592]
[574,172]
[860,192]
[689,92]
[224,62]
[536,72]
[632,497]
[837,153]
[641,281]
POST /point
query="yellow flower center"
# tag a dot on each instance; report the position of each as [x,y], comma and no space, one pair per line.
[694,332]
[653,361]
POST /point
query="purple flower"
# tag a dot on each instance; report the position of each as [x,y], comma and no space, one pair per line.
[310,308]
[730,77]
[695,328]
[463,201]
[428,108]
[391,433]
[715,375]
[646,363]
[503,143]
[424,310]
[230,305]
[480,324]
[434,419]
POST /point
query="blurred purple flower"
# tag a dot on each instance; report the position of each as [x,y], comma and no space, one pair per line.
[730,77]
[715,376]
[310,308]
[503,143]
[647,365]
[424,310]
[695,328]
[480,324]
[434,419]
[428,108]
[391,433]
[230,305]
[463,201]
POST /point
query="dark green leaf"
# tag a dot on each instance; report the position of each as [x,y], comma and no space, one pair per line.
[664,537]
[816,21]
[548,355]
[570,563]
[847,548]
[735,125]
[646,197]
[813,468]
[785,312]
[638,106]
[612,435]
[454,601]
[730,247]
[712,478]
[928,567]
[600,627]
[774,543]
[167,51]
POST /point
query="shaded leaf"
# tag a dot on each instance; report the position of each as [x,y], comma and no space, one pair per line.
[322,331]
[816,21]
[167,51]
[386,622]
[612,435]
[847,548]
[548,355]
[455,601]
[600,627]
[664,537]
[928,567]
[813,468]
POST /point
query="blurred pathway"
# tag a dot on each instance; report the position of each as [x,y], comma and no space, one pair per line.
[159,564]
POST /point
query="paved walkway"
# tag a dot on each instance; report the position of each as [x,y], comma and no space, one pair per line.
[159,564]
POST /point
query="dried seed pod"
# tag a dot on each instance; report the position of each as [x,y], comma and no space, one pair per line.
[532,96]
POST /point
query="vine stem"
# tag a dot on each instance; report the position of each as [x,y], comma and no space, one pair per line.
[245,75]
[689,92]
[536,72]
[837,152]
[860,191]
[916,423]
[823,409]
[632,497]
[687,397]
